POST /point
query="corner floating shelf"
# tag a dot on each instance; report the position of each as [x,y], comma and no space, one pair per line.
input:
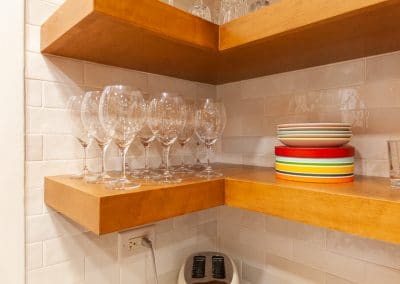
[150,36]
[368,207]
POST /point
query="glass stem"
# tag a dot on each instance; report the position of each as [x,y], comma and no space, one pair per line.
[146,152]
[166,159]
[85,167]
[103,148]
[208,146]
[183,155]
[123,152]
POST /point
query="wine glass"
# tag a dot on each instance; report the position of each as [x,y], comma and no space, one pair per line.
[258,4]
[146,137]
[91,120]
[185,135]
[209,124]
[81,133]
[198,166]
[167,119]
[122,114]
[201,10]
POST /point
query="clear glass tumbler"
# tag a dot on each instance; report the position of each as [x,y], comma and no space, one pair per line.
[394,162]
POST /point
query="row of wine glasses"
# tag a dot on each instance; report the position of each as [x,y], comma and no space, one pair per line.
[121,113]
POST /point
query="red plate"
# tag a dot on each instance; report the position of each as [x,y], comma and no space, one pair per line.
[294,152]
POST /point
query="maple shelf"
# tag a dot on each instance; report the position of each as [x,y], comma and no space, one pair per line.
[150,36]
[368,207]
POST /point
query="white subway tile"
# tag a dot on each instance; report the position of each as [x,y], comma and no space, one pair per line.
[187,220]
[45,227]
[65,147]
[63,273]
[369,250]
[69,247]
[331,279]
[33,92]
[252,220]
[32,38]
[291,272]
[102,268]
[341,74]
[34,256]
[34,201]
[33,147]
[134,272]
[52,68]
[99,76]
[56,95]
[380,274]
[38,11]
[348,268]
[383,67]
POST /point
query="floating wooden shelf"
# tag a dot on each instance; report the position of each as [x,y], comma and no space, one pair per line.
[368,207]
[150,36]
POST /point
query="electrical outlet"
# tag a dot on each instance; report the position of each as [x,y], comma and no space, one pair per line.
[130,242]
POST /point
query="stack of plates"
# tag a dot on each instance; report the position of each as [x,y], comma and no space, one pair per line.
[319,165]
[314,134]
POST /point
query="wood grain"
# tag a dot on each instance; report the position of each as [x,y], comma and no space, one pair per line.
[150,36]
[369,207]
[145,35]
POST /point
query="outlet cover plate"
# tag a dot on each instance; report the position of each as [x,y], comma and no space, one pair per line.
[124,238]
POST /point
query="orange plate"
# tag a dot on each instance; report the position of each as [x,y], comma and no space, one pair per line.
[315,179]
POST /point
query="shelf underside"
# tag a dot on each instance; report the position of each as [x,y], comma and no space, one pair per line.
[150,36]
[368,207]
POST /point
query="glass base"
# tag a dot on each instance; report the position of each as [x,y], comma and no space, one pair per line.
[209,174]
[167,178]
[100,179]
[144,174]
[198,167]
[122,184]
[84,175]
[395,182]
[183,169]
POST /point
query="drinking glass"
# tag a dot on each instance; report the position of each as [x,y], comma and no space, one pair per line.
[81,133]
[146,137]
[209,124]
[186,134]
[122,114]
[201,10]
[227,11]
[167,119]
[394,162]
[91,120]
[198,166]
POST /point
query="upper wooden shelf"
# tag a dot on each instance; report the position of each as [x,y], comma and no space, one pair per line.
[368,207]
[151,36]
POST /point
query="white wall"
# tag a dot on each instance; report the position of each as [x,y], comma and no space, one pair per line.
[12,148]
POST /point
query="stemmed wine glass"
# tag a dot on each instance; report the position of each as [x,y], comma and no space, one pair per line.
[146,137]
[167,119]
[91,120]
[122,114]
[201,10]
[79,131]
[209,124]
[186,134]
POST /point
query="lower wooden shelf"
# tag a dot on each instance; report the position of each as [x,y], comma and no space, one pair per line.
[368,207]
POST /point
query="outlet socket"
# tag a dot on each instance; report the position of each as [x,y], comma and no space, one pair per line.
[130,242]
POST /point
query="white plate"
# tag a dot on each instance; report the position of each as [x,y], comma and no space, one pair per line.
[315,129]
[314,142]
[313,132]
[319,124]
[315,136]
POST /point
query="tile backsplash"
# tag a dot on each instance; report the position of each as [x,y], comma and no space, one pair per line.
[364,92]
